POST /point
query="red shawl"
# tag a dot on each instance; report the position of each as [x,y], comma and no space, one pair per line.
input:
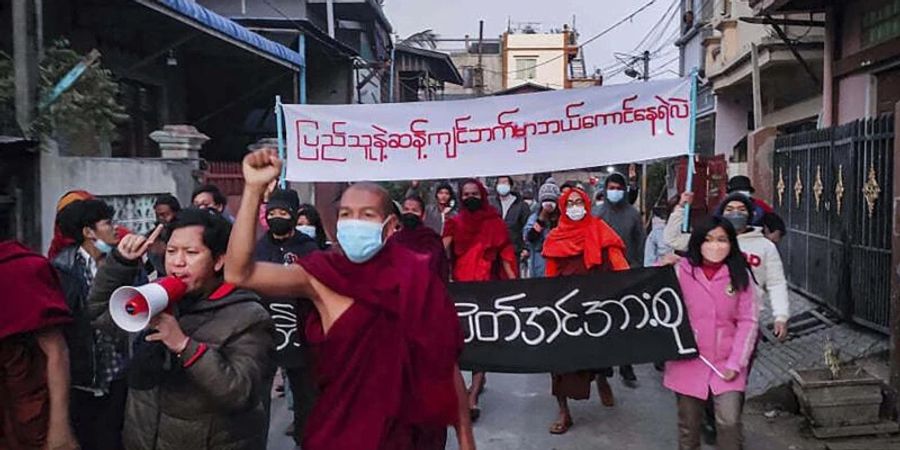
[480,242]
[60,241]
[385,370]
[32,297]
[425,241]
[587,237]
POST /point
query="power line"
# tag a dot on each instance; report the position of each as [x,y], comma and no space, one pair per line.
[659,69]
[657,24]
[669,19]
[592,39]
[621,66]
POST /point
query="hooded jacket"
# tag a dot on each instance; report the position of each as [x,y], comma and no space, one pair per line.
[724,323]
[762,257]
[211,397]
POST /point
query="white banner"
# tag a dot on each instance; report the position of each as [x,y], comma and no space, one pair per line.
[490,136]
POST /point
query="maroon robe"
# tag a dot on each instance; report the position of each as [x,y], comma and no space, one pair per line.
[32,301]
[32,296]
[385,370]
[424,240]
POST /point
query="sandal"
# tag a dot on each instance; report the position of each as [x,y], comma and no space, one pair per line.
[561,427]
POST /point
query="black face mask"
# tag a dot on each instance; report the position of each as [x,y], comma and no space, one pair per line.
[410,220]
[472,204]
[280,226]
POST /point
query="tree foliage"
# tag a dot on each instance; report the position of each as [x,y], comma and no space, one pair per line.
[90,105]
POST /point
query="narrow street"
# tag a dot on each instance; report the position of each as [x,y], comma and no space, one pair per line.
[517,411]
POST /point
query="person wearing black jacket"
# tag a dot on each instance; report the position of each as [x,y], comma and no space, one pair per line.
[514,211]
[283,244]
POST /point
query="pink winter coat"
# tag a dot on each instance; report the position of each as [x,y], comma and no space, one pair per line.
[725,328]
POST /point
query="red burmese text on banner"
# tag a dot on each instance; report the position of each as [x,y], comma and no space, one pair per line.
[489,136]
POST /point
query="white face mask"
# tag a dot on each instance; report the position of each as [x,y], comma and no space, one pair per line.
[715,252]
[576,213]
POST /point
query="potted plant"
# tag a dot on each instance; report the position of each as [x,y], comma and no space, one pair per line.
[840,400]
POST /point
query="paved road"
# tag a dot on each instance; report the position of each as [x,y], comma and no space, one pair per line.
[517,411]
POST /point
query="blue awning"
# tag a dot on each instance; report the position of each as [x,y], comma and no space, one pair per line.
[205,20]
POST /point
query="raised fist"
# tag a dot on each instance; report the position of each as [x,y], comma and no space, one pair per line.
[262,167]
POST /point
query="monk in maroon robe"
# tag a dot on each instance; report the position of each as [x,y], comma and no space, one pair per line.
[34,364]
[385,337]
[417,237]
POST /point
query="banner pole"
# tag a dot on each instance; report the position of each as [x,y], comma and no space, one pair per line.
[282,153]
[692,143]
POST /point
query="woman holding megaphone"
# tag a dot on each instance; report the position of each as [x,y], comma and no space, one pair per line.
[199,372]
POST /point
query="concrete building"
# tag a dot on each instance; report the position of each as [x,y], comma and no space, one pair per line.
[175,62]
[861,77]
[553,59]
[467,60]
[695,18]
[347,48]
[422,74]
[775,85]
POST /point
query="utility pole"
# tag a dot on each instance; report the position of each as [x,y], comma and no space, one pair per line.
[24,61]
[479,72]
[757,88]
[644,197]
[329,14]
[646,58]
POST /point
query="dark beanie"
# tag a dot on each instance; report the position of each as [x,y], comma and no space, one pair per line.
[286,199]
[736,197]
[615,178]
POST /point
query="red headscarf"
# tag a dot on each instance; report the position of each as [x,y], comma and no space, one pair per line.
[32,297]
[480,238]
[587,237]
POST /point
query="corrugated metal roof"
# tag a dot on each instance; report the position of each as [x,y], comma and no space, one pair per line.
[209,21]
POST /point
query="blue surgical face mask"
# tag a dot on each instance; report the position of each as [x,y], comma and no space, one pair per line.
[361,240]
[503,189]
[102,246]
[615,195]
[308,230]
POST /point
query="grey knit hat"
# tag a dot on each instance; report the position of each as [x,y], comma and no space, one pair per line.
[549,192]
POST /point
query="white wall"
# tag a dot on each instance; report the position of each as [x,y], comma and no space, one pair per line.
[109,176]
[545,47]
[731,123]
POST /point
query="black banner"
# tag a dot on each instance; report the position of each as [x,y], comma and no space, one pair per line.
[575,323]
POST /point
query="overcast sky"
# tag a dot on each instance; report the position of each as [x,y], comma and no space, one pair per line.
[456,18]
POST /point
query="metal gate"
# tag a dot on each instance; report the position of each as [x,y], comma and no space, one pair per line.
[833,189]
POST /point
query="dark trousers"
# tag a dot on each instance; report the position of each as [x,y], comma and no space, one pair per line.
[303,389]
[98,421]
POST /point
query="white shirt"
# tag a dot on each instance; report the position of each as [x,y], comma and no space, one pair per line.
[91,264]
[506,203]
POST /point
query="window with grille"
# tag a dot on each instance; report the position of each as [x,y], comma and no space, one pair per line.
[881,23]
[526,68]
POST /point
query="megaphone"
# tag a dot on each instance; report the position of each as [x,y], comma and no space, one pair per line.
[132,307]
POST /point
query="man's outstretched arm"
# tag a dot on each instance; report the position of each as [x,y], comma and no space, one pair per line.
[266,279]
